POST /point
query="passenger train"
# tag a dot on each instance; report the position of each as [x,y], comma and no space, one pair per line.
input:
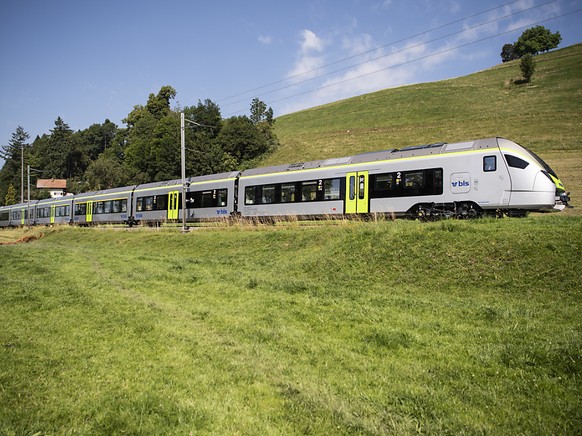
[492,176]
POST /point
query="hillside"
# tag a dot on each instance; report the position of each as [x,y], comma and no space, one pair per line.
[544,115]
[454,327]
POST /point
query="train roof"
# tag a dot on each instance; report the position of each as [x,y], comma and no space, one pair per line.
[374,156]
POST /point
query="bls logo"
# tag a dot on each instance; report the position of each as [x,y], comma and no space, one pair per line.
[460,183]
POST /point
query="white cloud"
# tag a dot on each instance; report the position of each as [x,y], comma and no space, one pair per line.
[311,42]
[309,60]
[376,70]
[357,44]
[265,39]
[306,67]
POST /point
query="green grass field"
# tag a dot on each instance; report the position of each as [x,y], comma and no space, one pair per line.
[345,327]
[340,327]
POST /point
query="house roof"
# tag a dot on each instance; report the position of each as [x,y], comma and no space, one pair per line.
[51,183]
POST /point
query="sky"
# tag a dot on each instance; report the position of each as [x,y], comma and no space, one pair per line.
[87,61]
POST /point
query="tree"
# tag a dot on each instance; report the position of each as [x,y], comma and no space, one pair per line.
[10,196]
[527,67]
[241,139]
[508,53]
[536,40]
[204,155]
[260,113]
[58,156]
[159,105]
[14,156]
[105,173]
[95,139]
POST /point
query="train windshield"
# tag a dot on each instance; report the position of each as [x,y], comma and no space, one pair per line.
[539,160]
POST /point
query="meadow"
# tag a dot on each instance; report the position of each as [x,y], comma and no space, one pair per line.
[343,327]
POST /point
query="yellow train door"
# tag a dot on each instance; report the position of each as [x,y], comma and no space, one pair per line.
[89,212]
[173,202]
[357,192]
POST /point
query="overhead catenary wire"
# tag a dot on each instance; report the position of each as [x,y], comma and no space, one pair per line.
[411,60]
[295,76]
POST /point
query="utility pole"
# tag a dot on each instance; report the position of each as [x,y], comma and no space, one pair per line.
[22,173]
[183,150]
[183,159]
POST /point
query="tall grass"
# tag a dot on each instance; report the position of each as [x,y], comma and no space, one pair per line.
[379,327]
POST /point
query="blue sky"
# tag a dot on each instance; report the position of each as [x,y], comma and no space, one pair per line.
[87,61]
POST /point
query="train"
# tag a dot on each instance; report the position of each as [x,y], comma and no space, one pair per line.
[483,177]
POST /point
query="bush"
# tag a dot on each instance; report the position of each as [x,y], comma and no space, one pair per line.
[527,66]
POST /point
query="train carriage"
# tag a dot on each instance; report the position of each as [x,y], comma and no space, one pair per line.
[52,211]
[110,206]
[487,176]
[305,189]
[155,203]
[211,197]
[21,214]
[207,198]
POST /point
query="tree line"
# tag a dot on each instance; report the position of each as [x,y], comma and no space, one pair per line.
[146,149]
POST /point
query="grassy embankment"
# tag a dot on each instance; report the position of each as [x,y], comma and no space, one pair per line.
[352,327]
[382,327]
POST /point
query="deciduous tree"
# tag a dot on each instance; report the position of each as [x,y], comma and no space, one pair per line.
[536,40]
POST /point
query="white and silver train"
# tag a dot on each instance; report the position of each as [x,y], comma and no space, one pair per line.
[492,176]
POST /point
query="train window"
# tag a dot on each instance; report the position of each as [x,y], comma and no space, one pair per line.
[352,192]
[516,162]
[288,192]
[438,180]
[149,203]
[207,198]
[250,195]
[80,209]
[309,191]
[383,182]
[407,183]
[107,207]
[268,194]
[161,202]
[98,207]
[414,180]
[331,189]
[362,187]
[489,163]
[221,197]
[210,198]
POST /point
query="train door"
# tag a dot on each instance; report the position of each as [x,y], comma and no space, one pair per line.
[173,202]
[52,218]
[357,192]
[89,212]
